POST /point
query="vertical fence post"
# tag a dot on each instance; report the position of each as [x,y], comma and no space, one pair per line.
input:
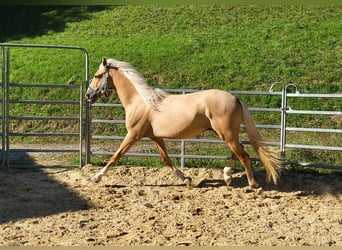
[87,115]
[182,154]
[80,117]
[283,122]
[282,117]
[183,148]
[7,80]
[87,129]
[3,80]
[284,109]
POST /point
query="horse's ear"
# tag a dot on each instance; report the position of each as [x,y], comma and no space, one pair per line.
[104,61]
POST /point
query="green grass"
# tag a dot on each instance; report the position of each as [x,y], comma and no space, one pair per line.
[190,47]
[228,47]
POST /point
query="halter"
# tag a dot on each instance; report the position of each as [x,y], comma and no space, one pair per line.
[105,83]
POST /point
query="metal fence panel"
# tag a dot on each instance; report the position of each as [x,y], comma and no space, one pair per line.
[281,125]
[8,101]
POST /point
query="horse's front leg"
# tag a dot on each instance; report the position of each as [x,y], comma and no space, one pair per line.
[124,147]
[160,144]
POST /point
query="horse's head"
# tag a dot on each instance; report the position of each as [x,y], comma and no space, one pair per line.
[101,84]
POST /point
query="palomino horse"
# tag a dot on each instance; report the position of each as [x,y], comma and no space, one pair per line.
[154,113]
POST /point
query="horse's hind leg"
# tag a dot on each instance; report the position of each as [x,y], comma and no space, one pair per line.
[241,154]
[162,151]
[228,170]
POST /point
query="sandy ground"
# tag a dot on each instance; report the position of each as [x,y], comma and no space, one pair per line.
[150,206]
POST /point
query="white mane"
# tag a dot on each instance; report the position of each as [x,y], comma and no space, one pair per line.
[151,96]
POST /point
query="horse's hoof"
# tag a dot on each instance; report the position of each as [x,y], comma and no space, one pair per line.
[228,180]
[227,175]
[96,179]
[187,182]
[259,191]
[255,185]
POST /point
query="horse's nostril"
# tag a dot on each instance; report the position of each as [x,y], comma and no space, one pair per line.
[87,96]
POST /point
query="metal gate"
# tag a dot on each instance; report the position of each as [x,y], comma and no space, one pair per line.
[23,108]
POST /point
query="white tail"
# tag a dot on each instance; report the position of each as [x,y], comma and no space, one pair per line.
[268,156]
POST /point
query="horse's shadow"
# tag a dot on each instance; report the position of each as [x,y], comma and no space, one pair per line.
[307,182]
[215,183]
[237,182]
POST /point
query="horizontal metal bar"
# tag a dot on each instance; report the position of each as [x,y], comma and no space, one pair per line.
[314,95]
[263,126]
[35,150]
[218,157]
[114,105]
[303,146]
[158,155]
[41,46]
[316,130]
[117,137]
[108,121]
[237,92]
[99,152]
[66,118]
[313,112]
[45,85]
[110,137]
[218,141]
[154,155]
[203,140]
[265,109]
[43,102]
[42,134]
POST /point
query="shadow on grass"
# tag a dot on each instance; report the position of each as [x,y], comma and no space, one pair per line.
[19,22]
[30,192]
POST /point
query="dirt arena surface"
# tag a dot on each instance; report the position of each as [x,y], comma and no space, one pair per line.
[149,206]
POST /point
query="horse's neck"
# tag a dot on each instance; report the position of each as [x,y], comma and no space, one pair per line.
[125,90]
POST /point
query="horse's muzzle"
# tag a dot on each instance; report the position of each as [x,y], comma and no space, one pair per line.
[91,96]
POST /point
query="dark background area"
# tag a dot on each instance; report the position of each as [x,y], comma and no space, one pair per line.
[18,22]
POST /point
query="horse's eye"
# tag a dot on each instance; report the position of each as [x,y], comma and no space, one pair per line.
[98,76]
